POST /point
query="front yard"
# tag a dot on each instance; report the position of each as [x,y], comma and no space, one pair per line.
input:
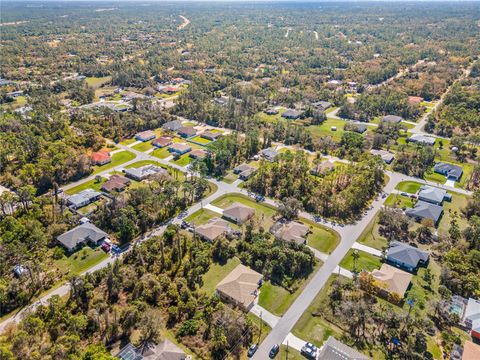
[365,261]
[117,159]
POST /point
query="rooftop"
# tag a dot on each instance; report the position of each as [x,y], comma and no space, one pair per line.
[333,349]
[392,279]
[241,285]
[239,212]
[213,229]
[292,231]
[406,254]
[425,210]
[432,194]
[82,233]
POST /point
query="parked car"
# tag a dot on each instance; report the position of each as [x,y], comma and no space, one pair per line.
[308,353]
[274,351]
[115,248]
[105,247]
[252,350]
[311,346]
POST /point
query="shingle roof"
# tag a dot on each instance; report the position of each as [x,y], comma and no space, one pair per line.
[162,141]
[239,211]
[166,350]
[213,229]
[148,134]
[432,194]
[82,233]
[291,113]
[422,139]
[180,146]
[385,155]
[392,119]
[187,130]
[292,231]
[145,171]
[116,182]
[425,210]
[172,125]
[448,169]
[269,153]
[243,167]
[240,285]
[336,350]
[406,254]
[86,195]
[393,279]
[198,153]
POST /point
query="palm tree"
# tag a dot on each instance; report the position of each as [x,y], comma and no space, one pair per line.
[355,257]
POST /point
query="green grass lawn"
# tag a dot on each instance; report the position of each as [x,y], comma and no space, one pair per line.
[162,153]
[271,118]
[202,216]
[184,160]
[200,140]
[290,354]
[230,177]
[410,187]
[321,238]
[188,123]
[458,202]
[319,131]
[91,184]
[399,201]
[96,82]
[143,146]
[80,261]
[216,273]
[371,237]
[433,176]
[366,261]
[127,142]
[117,159]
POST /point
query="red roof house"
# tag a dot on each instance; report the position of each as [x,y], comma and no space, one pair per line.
[101,158]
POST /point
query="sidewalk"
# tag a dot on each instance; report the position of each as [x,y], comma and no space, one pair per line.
[265,315]
[367,249]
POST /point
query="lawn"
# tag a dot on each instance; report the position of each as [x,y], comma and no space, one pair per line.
[216,273]
[319,131]
[127,142]
[260,331]
[271,118]
[290,354]
[365,261]
[458,202]
[117,159]
[371,237]
[410,187]
[199,140]
[202,216]
[143,146]
[399,201]
[80,261]
[162,153]
[184,160]
[433,176]
[323,239]
[230,177]
[96,82]
[91,184]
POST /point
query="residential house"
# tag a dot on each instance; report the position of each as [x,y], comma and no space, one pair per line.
[406,257]
[471,351]
[322,105]
[451,171]
[198,154]
[145,136]
[425,210]
[80,235]
[83,198]
[471,318]
[433,195]
[100,158]
[241,168]
[269,154]
[333,349]
[167,90]
[392,119]
[386,156]
[391,280]
[179,148]
[165,350]
[240,287]
[115,183]
[238,213]
[323,168]
[144,172]
[271,111]
[213,229]
[187,131]
[211,135]
[292,114]
[358,128]
[421,139]
[173,125]
[246,174]
[414,100]
[162,141]
[291,231]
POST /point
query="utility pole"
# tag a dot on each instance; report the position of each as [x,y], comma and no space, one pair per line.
[286,353]
[260,334]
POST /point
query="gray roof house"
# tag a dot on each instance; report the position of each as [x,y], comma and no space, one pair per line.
[421,139]
[241,168]
[83,198]
[291,114]
[425,210]
[386,156]
[269,154]
[433,195]
[144,172]
[451,171]
[393,119]
[333,349]
[172,125]
[322,105]
[406,257]
[81,234]
[165,350]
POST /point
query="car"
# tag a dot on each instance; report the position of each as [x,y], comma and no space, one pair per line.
[105,247]
[311,346]
[274,351]
[308,353]
[403,193]
[252,350]
[115,248]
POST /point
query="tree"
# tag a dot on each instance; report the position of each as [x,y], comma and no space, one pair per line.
[150,328]
[289,208]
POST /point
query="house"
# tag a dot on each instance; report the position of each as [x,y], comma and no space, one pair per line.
[245,175]
[238,213]
[292,114]
[145,136]
[179,148]
[433,195]
[172,125]
[80,235]
[271,111]
[425,210]
[323,168]
[144,172]
[100,158]
[213,229]
[421,139]
[115,183]
[471,318]
[392,119]
[162,141]
[240,287]
[187,131]
[198,154]
[322,105]
[167,89]
[386,156]
[390,280]
[241,168]
[165,350]
[414,100]
[451,171]
[471,351]
[211,135]
[333,349]
[406,257]
[291,231]
[358,128]
[269,154]
[83,198]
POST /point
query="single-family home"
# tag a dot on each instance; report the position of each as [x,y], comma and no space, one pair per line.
[246,174]
[358,128]
[269,154]
[100,158]
[187,131]
[290,231]
[421,139]
[211,135]
[115,183]
[238,213]
[425,210]
[167,89]
[433,195]
[271,111]
[333,349]
[322,105]
[471,318]
[406,257]
[240,287]
[241,168]
[179,148]
[471,351]
[83,198]
[162,141]
[198,154]
[145,136]
[213,229]
[451,171]
[386,156]
[173,125]
[144,172]
[292,114]
[323,168]
[82,234]
[165,350]
[414,100]
[392,119]
[391,280]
